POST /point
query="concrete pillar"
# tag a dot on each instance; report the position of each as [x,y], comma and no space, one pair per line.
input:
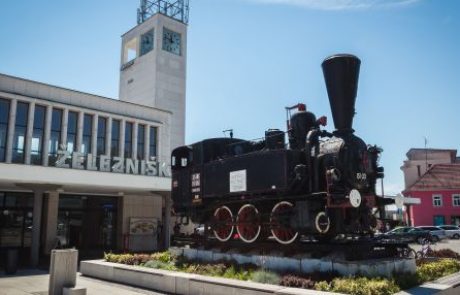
[36,223]
[134,154]
[63,270]
[46,138]
[167,221]
[108,137]
[80,131]
[52,208]
[122,138]
[30,129]
[11,123]
[93,150]
[64,127]
[147,143]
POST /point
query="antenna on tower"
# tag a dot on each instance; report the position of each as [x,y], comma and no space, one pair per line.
[176,9]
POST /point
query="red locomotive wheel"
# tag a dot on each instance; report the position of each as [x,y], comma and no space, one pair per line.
[248,223]
[279,221]
[223,224]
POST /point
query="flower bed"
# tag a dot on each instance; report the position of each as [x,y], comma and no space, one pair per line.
[426,271]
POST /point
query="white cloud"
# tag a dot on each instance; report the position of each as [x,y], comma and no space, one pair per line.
[339,4]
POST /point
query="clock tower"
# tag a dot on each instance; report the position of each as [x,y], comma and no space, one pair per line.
[154,59]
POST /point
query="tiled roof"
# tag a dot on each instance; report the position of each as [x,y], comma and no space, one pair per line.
[438,177]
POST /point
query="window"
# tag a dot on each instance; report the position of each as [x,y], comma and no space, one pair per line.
[55,134]
[140,141]
[147,42]
[437,200]
[456,200]
[101,129]
[16,214]
[4,117]
[153,142]
[115,145]
[72,125]
[130,50]
[37,135]
[20,130]
[87,134]
[128,140]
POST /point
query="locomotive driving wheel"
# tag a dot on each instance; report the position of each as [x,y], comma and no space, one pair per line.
[223,223]
[280,223]
[248,223]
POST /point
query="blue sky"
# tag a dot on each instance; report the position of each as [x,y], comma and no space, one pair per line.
[248,59]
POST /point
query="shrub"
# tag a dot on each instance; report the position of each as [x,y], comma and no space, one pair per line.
[359,286]
[159,265]
[140,259]
[323,286]
[433,270]
[110,257]
[165,256]
[265,277]
[297,282]
[446,253]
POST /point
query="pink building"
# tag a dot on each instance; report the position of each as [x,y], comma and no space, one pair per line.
[439,191]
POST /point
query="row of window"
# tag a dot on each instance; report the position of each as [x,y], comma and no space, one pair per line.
[37,139]
[438,200]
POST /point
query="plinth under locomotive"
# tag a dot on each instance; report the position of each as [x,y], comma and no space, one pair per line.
[320,186]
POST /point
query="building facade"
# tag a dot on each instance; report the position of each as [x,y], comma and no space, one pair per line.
[433,176]
[75,168]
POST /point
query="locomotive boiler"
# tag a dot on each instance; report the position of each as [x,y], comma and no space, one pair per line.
[320,184]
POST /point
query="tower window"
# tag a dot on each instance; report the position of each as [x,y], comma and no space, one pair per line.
[147,42]
[130,50]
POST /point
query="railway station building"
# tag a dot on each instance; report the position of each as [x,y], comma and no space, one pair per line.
[90,172]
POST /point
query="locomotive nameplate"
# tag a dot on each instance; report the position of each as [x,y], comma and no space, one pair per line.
[238,181]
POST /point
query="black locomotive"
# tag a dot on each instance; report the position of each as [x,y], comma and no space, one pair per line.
[322,185]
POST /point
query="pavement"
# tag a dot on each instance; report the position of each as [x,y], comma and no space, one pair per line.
[444,244]
[35,282]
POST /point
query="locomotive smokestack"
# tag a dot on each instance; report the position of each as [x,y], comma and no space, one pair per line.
[341,73]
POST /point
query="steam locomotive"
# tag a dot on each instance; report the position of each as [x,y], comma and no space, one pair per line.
[321,185]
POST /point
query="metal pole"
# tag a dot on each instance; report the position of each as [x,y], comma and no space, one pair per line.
[167,221]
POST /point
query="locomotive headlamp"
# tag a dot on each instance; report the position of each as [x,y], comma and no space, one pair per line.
[355,198]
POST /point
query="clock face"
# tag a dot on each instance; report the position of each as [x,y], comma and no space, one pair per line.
[147,42]
[171,41]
